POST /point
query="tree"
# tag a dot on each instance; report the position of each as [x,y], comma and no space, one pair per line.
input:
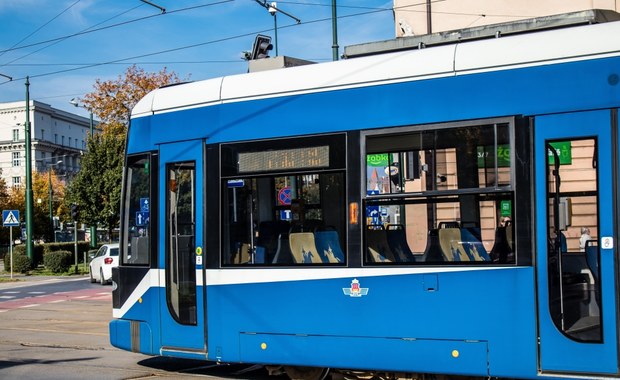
[113,100]
[4,196]
[97,187]
[14,199]
[41,196]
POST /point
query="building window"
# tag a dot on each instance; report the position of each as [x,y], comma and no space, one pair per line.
[69,141]
[15,158]
[16,135]
[55,138]
[17,181]
[63,140]
[42,134]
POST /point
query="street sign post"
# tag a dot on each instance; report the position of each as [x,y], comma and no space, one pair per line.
[10,218]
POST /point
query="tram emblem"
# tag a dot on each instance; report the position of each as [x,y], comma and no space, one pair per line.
[355,290]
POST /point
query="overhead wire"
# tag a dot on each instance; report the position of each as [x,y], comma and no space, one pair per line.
[39,28]
[66,37]
[229,38]
[370,10]
[113,25]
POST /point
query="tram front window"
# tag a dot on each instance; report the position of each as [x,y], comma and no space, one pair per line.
[137,218]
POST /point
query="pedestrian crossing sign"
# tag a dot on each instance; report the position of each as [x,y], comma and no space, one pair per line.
[10,218]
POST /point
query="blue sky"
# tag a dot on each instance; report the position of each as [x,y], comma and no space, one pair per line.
[203,39]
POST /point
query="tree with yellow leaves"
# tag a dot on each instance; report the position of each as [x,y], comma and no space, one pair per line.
[14,199]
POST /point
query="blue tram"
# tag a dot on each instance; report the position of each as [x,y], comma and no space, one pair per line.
[449,209]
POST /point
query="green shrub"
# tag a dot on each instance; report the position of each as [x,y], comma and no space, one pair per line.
[21,263]
[7,259]
[21,250]
[83,247]
[58,261]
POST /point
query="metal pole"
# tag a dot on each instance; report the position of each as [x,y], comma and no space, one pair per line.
[92,126]
[75,245]
[334,32]
[51,204]
[29,224]
[275,30]
[429,18]
[93,228]
[11,249]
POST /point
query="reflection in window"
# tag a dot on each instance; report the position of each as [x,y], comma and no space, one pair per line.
[573,231]
[284,202]
[137,217]
[180,227]
[285,220]
[440,196]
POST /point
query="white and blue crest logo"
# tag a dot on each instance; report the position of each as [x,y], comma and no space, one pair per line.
[355,290]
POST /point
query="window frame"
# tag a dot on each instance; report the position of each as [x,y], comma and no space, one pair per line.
[152,159]
[228,152]
[437,196]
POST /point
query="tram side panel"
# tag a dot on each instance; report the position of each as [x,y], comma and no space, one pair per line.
[475,321]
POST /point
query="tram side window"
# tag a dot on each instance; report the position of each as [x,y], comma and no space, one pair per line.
[282,205]
[137,221]
[285,220]
[442,196]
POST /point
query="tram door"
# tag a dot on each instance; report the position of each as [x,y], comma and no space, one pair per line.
[575,243]
[181,239]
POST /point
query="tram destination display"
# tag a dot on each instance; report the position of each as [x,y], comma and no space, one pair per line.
[284,159]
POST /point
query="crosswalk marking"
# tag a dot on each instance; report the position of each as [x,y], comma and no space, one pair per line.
[16,300]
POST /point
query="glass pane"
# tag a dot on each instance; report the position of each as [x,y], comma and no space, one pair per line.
[454,205]
[284,220]
[180,260]
[574,289]
[439,160]
[137,217]
[457,230]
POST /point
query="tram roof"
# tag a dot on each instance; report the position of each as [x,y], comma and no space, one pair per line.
[460,57]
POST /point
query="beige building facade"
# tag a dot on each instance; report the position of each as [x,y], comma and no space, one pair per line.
[58,140]
[414,17]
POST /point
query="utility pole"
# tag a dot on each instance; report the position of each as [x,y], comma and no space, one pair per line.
[76,103]
[29,216]
[334,32]
[273,9]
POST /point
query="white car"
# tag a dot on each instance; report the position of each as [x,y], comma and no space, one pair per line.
[101,265]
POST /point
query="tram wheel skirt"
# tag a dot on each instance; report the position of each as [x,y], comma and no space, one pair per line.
[390,354]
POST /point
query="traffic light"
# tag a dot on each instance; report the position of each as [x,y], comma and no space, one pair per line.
[261,47]
[74,211]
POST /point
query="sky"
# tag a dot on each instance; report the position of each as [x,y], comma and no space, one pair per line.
[64,46]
